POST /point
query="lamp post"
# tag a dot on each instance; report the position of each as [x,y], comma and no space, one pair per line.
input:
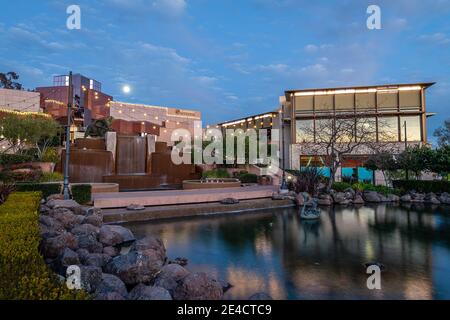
[406,146]
[283,186]
[69,123]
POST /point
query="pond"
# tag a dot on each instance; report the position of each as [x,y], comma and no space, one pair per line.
[288,258]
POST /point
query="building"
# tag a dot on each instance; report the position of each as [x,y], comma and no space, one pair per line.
[165,118]
[393,108]
[20,100]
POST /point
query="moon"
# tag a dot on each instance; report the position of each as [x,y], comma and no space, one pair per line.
[126,89]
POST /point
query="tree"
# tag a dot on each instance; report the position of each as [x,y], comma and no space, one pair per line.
[7,81]
[337,137]
[416,159]
[441,161]
[443,133]
[384,161]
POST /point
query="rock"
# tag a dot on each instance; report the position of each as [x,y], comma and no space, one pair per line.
[393,198]
[338,197]
[69,258]
[405,198]
[417,197]
[111,251]
[299,200]
[383,198]
[371,196]
[198,286]
[143,292]
[135,207]
[150,242]
[260,296]
[93,219]
[181,261]
[349,193]
[96,260]
[229,201]
[225,285]
[56,196]
[109,296]
[43,209]
[358,199]
[65,217]
[53,247]
[169,276]
[68,204]
[277,196]
[90,243]
[87,211]
[136,266]
[86,229]
[111,235]
[51,223]
[91,277]
[444,198]
[325,200]
[111,284]
[433,201]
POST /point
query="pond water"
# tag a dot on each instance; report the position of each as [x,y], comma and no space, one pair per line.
[277,253]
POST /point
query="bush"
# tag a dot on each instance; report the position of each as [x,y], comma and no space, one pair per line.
[51,177]
[82,193]
[10,159]
[23,272]
[45,188]
[248,178]
[340,186]
[217,173]
[21,176]
[370,187]
[436,186]
[51,155]
[5,191]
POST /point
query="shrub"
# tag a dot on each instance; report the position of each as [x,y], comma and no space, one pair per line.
[308,180]
[10,159]
[23,272]
[436,186]
[248,178]
[45,188]
[370,187]
[82,193]
[51,177]
[340,186]
[217,173]
[21,176]
[5,190]
[51,155]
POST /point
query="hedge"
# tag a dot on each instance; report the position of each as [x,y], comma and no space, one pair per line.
[248,178]
[82,193]
[23,272]
[45,188]
[217,173]
[436,186]
[7,159]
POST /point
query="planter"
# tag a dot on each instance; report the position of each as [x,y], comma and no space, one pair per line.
[44,166]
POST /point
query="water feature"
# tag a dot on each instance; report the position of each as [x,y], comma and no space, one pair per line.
[289,258]
[131,155]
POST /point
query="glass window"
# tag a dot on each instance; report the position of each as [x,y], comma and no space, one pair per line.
[305,131]
[323,103]
[410,100]
[304,103]
[388,129]
[387,101]
[366,129]
[345,101]
[365,101]
[413,128]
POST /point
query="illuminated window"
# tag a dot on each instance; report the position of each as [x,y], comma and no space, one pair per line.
[413,128]
[388,129]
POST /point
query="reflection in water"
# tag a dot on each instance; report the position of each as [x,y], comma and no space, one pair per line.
[277,253]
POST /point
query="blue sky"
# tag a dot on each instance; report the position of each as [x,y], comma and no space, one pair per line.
[230,58]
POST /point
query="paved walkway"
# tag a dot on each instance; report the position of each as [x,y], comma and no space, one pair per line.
[171,197]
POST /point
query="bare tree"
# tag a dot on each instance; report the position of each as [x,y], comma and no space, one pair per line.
[337,137]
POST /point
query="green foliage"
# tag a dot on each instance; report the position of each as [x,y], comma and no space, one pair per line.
[248,178]
[99,128]
[370,187]
[51,177]
[441,161]
[23,272]
[11,159]
[217,173]
[436,186]
[340,186]
[5,191]
[21,176]
[7,81]
[82,193]
[308,180]
[443,134]
[51,155]
[45,188]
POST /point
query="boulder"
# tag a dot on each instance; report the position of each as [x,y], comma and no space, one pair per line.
[68,258]
[57,203]
[260,296]
[111,235]
[65,217]
[109,296]
[87,211]
[136,266]
[198,286]
[169,276]
[56,196]
[338,197]
[111,251]
[91,277]
[417,197]
[111,284]
[358,199]
[51,223]
[371,196]
[96,260]
[150,242]
[393,198]
[349,193]
[90,243]
[143,292]
[53,247]
[277,196]
[82,254]
[383,198]
[299,200]
[181,261]
[325,200]
[85,229]
[405,198]
[43,209]
[444,198]
[229,201]
[93,219]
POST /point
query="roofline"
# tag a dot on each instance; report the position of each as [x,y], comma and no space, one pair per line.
[243,118]
[423,84]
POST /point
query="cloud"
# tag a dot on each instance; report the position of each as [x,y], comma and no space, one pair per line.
[163,52]
[275,68]
[20,34]
[436,38]
[168,8]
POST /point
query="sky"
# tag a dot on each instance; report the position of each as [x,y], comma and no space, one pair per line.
[227,58]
